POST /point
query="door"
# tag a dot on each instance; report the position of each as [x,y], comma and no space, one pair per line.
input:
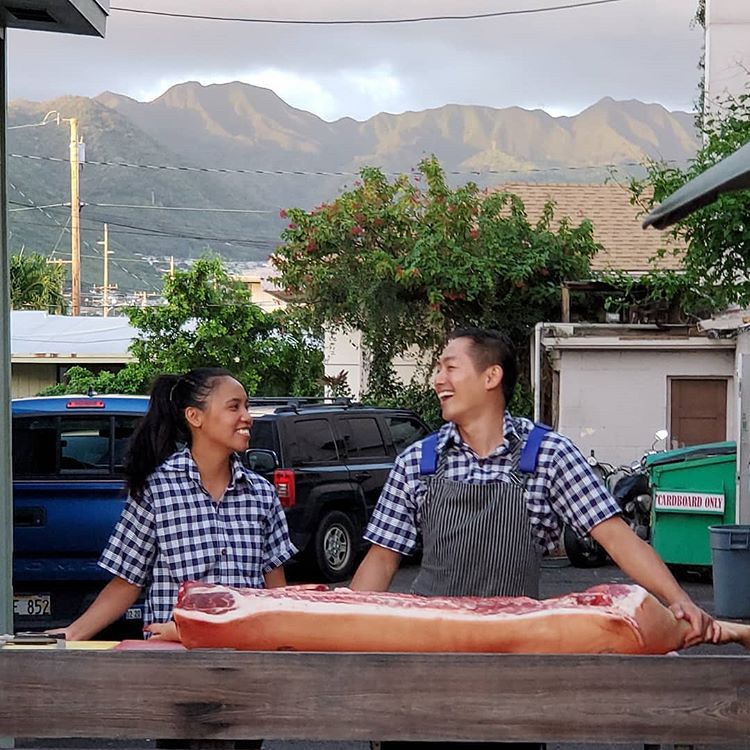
[368,459]
[698,411]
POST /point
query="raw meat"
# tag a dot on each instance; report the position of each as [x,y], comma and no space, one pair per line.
[613,618]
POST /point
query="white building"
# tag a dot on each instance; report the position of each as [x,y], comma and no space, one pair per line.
[44,346]
[727,49]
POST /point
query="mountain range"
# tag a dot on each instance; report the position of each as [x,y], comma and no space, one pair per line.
[241,147]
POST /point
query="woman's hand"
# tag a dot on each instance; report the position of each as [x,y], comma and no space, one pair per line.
[61,631]
[163,631]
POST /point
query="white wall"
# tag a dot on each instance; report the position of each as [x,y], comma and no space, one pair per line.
[727,48]
[343,351]
[614,401]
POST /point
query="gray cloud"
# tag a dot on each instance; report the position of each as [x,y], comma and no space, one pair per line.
[561,61]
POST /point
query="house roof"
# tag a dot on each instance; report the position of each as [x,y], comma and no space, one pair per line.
[36,335]
[617,225]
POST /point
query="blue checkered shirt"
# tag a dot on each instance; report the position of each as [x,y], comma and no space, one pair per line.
[563,489]
[177,533]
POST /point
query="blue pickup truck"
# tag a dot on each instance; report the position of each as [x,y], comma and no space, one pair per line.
[68,493]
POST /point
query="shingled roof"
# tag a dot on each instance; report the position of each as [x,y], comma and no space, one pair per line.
[617,225]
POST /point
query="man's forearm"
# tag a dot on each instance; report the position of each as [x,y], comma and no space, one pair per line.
[638,560]
[376,571]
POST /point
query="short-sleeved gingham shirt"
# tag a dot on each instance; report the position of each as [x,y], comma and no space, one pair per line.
[178,533]
[563,489]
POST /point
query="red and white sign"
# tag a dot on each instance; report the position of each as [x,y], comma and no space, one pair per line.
[697,502]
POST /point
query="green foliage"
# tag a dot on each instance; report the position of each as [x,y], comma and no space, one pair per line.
[417,395]
[133,378]
[36,284]
[407,260]
[716,238]
[208,319]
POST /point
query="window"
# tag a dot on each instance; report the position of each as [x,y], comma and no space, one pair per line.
[34,447]
[362,438]
[314,442]
[262,435]
[50,446]
[405,431]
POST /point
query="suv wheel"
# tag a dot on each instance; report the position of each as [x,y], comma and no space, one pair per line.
[335,553]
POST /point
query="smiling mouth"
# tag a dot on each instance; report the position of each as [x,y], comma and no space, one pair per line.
[244,431]
[444,396]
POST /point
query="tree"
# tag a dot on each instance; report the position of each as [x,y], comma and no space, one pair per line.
[716,239]
[404,261]
[36,284]
[208,319]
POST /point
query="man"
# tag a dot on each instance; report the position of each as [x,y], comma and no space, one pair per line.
[486,509]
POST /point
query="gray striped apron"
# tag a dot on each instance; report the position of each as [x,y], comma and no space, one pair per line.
[477,538]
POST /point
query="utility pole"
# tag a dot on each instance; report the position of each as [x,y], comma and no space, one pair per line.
[75,218]
[105,284]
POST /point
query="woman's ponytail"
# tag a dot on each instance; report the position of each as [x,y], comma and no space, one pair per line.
[163,428]
[156,437]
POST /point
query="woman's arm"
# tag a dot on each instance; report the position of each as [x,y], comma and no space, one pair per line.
[113,602]
[275,578]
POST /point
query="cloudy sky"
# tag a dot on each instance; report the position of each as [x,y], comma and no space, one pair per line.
[560,61]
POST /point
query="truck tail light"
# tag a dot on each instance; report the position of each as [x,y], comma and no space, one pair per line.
[283,481]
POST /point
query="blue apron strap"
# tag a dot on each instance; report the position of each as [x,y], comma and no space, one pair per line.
[429,459]
[530,452]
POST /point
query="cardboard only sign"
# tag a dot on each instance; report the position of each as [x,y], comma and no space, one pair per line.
[692,502]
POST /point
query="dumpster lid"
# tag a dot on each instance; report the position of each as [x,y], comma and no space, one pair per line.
[691,453]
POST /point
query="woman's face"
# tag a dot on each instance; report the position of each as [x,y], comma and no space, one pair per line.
[224,421]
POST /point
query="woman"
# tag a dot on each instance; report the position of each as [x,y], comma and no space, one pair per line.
[194,512]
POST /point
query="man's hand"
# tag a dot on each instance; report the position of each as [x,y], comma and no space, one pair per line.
[703,628]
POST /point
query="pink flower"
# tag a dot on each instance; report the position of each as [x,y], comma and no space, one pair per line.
[283,214]
[356,231]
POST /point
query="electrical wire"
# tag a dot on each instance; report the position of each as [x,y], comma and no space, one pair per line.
[36,208]
[367,21]
[263,242]
[260,242]
[93,248]
[152,207]
[322,173]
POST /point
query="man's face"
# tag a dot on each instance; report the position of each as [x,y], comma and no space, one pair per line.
[464,390]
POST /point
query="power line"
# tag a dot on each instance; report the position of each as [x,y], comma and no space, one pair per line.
[152,207]
[260,242]
[87,244]
[367,21]
[36,208]
[141,231]
[323,173]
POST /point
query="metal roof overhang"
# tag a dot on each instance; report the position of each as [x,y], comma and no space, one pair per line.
[728,175]
[86,17]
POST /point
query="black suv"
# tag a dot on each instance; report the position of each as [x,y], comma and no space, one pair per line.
[328,460]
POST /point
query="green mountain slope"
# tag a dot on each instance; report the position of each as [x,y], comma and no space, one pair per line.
[231,136]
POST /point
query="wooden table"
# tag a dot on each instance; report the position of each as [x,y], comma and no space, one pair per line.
[223,695]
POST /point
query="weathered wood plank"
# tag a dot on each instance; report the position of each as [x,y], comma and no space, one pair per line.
[229,695]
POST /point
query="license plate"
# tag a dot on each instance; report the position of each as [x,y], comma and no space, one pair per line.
[37,605]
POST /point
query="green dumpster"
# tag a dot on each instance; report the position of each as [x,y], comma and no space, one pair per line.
[693,488]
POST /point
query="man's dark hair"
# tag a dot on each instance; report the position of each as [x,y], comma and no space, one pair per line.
[491,347]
